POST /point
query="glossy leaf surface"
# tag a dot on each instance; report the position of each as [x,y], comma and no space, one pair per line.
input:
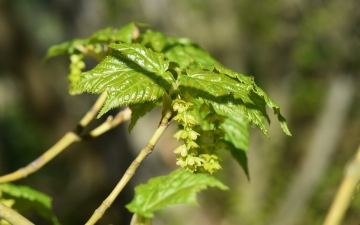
[180,187]
[131,74]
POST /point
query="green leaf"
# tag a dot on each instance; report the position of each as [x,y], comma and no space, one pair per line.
[140,109]
[109,34]
[142,56]
[157,41]
[189,56]
[258,96]
[26,198]
[236,129]
[103,36]
[226,94]
[179,187]
[131,74]
[68,47]
[239,155]
[26,193]
[276,109]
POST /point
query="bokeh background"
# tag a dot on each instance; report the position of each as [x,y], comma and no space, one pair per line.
[304,54]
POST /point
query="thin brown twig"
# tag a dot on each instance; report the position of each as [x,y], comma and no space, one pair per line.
[70,138]
[89,52]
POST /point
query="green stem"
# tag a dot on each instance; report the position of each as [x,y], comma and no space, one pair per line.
[12,216]
[345,192]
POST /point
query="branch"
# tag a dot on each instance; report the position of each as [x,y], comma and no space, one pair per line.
[12,216]
[99,212]
[70,138]
[89,52]
[345,192]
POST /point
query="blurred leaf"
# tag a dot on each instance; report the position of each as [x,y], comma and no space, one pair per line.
[68,47]
[109,34]
[103,36]
[26,198]
[179,187]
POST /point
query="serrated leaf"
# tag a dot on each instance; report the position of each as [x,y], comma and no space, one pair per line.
[131,74]
[236,129]
[275,107]
[179,187]
[239,155]
[68,47]
[143,57]
[26,198]
[226,94]
[140,109]
[108,35]
[157,41]
[189,56]
[103,36]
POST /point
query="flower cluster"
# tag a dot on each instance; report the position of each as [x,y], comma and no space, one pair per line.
[76,66]
[197,154]
[187,155]
[211,139]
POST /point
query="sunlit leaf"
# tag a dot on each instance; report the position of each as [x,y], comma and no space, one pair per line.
[189,56]
[131,74]
[225,94]
[180,187]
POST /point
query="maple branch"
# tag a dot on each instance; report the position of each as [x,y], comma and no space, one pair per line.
[12,216]
[70,138]
[345,192]
[89,52]
[99,212]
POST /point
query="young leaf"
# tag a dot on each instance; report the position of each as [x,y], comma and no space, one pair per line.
[68,47]
[226,94]
[140,109]
[179,187]
[25,192]
[26,198]
[109,34]
[236,129]
[239,155]
[104,36]
[189,56]
[131,74]
[258,96]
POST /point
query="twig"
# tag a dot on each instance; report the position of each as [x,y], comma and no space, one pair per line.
[70,138]
[111,122]
[64,142]
[89,52]
[345,192]
[99,212]
[12,216]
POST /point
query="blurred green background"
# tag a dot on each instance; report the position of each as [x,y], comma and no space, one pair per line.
[304,54]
